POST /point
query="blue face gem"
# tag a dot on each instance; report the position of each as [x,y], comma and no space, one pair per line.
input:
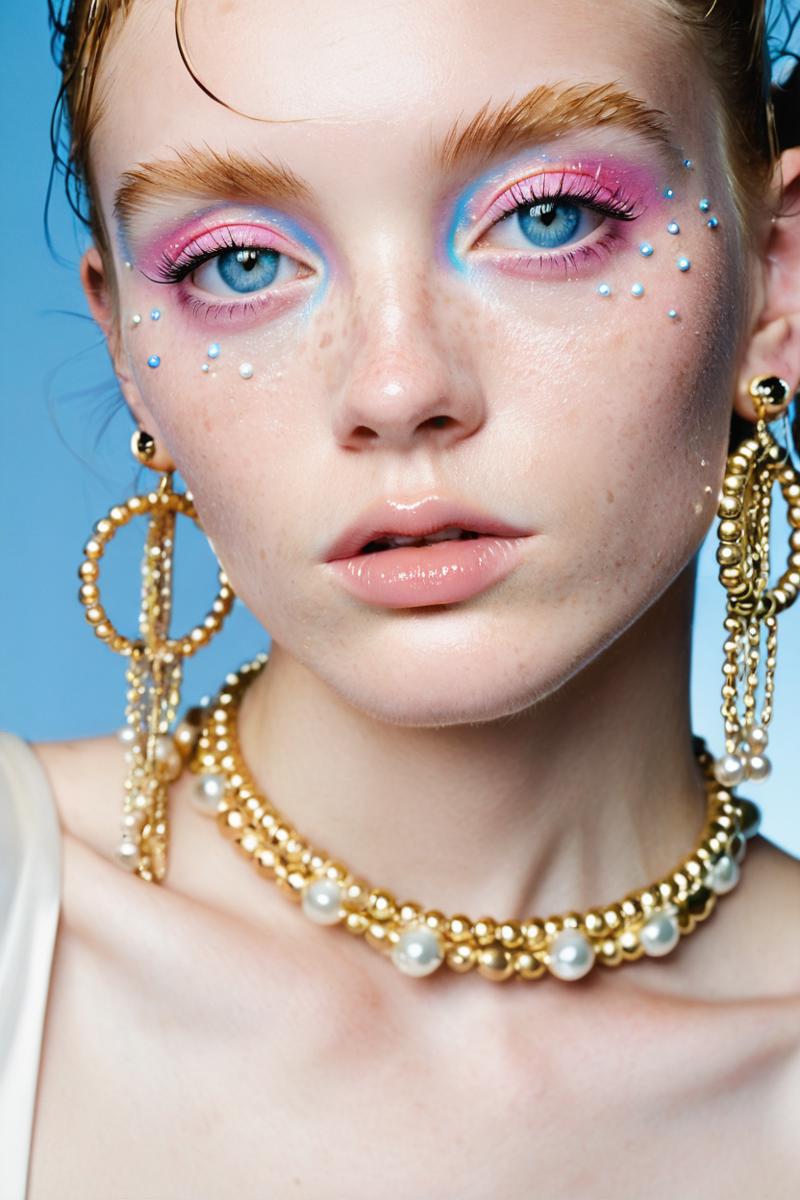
[684,264]
[668,193]
[673,227]
[155,313]
[672,313]
[646,249]
[712,222]
[153,360]
[687,162]
[213,350]
[603,289]
[637,289]
[705,205]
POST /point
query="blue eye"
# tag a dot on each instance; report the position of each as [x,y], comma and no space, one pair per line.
[548,223]
[247,270]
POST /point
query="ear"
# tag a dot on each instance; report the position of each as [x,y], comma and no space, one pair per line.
[102,300]
[774,347]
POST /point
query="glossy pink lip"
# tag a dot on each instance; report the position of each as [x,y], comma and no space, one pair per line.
[419,576]
[416,518]
[416,576]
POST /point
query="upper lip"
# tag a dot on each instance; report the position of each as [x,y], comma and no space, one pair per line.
[396,517]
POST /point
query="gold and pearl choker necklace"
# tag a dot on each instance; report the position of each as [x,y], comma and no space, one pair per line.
[650,921]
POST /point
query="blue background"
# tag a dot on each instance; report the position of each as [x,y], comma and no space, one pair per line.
[66,460]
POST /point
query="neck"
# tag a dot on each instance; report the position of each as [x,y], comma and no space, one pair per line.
[583,797]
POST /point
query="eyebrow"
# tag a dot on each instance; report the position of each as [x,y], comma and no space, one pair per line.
[542,114]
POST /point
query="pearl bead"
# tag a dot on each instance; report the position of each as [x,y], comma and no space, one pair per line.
[418,951]
[127,855]
[729,770]
[759,767]
[758,738]
[659,934]
[322,900]
[207,793]
[168,755]
[724,875]
[571,955]
[127,735]
[246,370]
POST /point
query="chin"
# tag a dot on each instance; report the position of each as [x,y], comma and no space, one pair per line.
[440,667]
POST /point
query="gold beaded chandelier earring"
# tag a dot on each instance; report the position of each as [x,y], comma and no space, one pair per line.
[751,626]
[154,755]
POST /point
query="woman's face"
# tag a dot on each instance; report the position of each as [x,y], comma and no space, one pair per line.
[424,316]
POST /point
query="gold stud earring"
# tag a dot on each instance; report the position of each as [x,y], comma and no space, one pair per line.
[154,755]
[752,605]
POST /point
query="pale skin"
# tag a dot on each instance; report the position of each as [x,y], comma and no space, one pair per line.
[202,1037]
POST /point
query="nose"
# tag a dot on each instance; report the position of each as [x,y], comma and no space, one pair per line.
[409,381]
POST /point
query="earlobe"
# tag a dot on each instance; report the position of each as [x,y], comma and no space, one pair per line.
[774,346]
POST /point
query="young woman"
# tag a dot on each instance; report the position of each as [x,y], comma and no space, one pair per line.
[444,313]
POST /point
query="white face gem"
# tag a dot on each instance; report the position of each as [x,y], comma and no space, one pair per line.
[322,901]
[246,370]
[673,228]
[603,289]
[637,289]
[204,367]
[136,319]
[570,955]
[418,951]
[672,313]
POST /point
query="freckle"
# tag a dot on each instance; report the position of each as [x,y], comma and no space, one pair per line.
[610,497]
[325,340]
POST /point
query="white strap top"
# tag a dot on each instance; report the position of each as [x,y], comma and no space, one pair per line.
[30,899]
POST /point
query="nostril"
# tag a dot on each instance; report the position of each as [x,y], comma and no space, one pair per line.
[440,422]
[364,431]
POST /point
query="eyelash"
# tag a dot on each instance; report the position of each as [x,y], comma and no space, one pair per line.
[615,204]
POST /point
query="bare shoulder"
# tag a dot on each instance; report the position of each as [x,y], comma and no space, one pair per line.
[86,776]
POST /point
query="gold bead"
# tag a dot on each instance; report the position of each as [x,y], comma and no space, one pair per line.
[231,822]
[608,952]
[356,923]
[377,934]
[535,935]
[459,928]
[528,966]
[495,962]
[630,945]
[460,958]
[510,934]
[595,923]
[435,919]
[381,905]
[484,931]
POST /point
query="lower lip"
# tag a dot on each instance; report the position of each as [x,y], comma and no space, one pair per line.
[441,573]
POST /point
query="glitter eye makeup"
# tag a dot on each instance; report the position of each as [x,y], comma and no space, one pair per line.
[230,271]
[561,220]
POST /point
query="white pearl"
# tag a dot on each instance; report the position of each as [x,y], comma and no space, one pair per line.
[246,370]
[724,875]
[571,955]
[418,951]
[758,738]
[659,934]
[759,767]
[729,770]
[127,854]
[127,735]
[207,793]
[132,821]
[322,899]
[167,753]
